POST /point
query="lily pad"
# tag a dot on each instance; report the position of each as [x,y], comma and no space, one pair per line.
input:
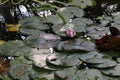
[32,28]
[82,3]
[32,25]
[38,56]
[70,12]
[14,48]
[66,74]
[29,19]
[63,60]
[99,58]
[83,21]
[96,32]
[76,45]
[73,74]
[19,71]
[108,64]
[43,40]
[55,19]
[56,59]
[115,71]
[41,74]
[94,57]
[59,29]
[117,19]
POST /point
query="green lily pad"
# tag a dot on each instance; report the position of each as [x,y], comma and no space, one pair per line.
[73,74]
[38,56]
[63,60]
[96,32]
[5,77]
[99,58]
[88,55]
[70,12]
[76,45]
[79,25]
[94,57]
[43,40]
[108,64]
[115,71]
[32,25]
[117,19]
[90,74]
[56,59]
[33,28]
[83,3]
[66,74]
[59,29]
[55,19]
[83,21]
[111,53]
[14,48]
[19,71]
[31,19]
[41,74]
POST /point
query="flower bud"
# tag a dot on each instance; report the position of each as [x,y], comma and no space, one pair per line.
[70,33]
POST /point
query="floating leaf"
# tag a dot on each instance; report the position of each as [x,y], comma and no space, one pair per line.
[43,40]
[70,12]
[83,21]
[96,32]
[41,74]
[32,25]
[83,3]
[94,57]
[19,71]
[66,74]
[117,19]
[60,59]
[115,71]
[73,74]
[99,58]
[31,19]
[38,56]
[76,45]
[13,48]
[55,19]
[108,64]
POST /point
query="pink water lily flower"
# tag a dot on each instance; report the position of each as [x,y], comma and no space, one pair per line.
[70,33]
